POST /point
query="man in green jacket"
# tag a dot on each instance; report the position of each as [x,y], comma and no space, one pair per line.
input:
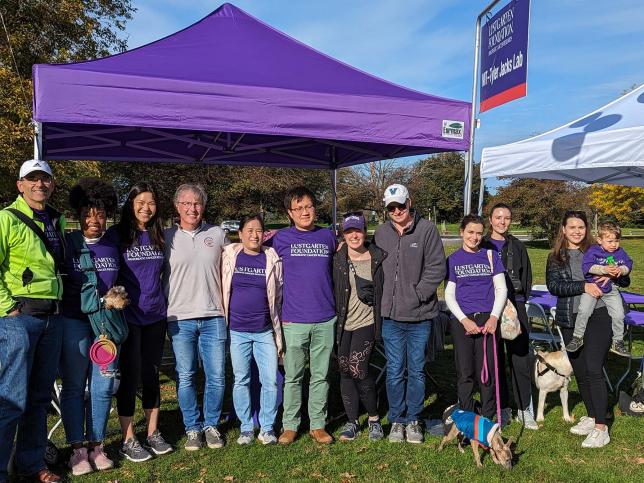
[30,329]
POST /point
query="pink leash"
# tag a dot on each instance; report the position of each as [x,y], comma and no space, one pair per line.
[485,376]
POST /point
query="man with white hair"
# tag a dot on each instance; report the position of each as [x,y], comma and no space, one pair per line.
[413,269]
[196,324]
[31,253]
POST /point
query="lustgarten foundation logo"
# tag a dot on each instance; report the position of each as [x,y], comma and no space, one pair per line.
[453,129]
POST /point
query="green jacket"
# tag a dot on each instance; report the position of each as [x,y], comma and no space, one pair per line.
[20,248]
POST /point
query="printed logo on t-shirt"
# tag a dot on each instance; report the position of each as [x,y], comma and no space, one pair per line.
[209,241]
[256,271]
[103,264]
[473,270]
[413,245]
[310,250]
[143,252]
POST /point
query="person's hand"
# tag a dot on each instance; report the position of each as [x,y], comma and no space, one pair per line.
[490,325]
[613,271]
[602,281]
[13,313]
[470,327]
[592,289]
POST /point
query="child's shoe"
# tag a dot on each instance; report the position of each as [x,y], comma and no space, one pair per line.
[575,344]
[618,348]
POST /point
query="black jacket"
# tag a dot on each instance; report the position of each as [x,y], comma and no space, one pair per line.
[342,288]
[561,284]
[521,269]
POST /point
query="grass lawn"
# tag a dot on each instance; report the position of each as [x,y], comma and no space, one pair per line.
[550,454]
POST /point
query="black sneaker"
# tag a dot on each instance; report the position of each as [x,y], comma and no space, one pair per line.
[132,450]
[349,431]
[575,344]
[157,444]
[619,349]
[375,431]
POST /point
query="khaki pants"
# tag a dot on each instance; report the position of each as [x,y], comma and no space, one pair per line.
[311,343]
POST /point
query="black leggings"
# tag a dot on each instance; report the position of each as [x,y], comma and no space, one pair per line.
[518,353]
[588,362]
[356,383]
[468,354]
[140,359]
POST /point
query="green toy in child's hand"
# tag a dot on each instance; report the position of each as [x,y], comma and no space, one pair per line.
[611,260]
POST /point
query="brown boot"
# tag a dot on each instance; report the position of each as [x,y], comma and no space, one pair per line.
[287,437]
[321,436]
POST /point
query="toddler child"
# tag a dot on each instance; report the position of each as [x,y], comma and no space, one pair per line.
[606,258]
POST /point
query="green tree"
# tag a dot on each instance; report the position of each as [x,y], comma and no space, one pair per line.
[41,31]
[437,183]
[540,204]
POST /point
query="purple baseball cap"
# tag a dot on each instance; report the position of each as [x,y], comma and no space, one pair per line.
[353,220]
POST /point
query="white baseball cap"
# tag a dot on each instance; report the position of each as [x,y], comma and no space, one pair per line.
[34,165]
[396,193]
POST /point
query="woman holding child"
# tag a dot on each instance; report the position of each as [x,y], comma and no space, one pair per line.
[475,294]
[566,279]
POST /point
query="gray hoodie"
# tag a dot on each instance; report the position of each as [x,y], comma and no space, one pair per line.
[414,269]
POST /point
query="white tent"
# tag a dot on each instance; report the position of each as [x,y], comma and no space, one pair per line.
[606,146]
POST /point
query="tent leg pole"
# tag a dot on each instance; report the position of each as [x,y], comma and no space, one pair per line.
[37,140]
[334,189]
[481,193]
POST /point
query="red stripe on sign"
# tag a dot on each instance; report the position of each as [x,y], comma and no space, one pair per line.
[503,97]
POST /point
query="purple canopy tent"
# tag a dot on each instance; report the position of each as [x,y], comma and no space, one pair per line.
[230,89]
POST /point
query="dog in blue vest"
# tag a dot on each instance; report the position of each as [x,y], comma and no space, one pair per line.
[480,431]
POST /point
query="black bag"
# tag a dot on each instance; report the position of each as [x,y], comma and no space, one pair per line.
[107,322]
[364,287]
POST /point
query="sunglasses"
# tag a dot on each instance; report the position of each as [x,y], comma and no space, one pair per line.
[396,206]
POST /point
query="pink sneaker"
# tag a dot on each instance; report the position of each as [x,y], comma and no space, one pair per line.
[79,463]
[99,459]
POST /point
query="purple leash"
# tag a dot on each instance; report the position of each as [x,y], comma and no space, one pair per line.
[485,376]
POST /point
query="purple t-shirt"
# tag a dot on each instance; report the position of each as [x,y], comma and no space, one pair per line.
[472,274]
[105,256]
[596,255]
[249,311]
[141,266]
[308,284]
[498,244]
[53,237]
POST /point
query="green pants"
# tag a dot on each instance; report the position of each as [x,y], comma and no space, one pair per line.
[313,343]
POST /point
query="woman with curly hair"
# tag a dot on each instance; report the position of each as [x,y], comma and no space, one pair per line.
[139,235]
[85,420]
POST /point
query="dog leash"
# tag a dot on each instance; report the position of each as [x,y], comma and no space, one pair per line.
[485,375]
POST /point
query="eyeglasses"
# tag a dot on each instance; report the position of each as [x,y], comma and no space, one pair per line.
[396,206]
[35,177]
[188,204]
[300,209]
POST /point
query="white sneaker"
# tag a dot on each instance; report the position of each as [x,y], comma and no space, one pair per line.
[527,420]
[584,426]
[596,439]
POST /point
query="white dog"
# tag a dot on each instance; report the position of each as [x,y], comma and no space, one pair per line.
[552,372]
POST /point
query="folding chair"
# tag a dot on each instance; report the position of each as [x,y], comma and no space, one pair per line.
[536,313]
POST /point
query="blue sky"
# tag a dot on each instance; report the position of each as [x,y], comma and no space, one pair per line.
[582,53]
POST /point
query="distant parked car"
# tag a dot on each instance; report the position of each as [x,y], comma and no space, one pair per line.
[229,225]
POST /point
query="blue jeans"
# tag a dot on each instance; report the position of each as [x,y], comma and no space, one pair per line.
[29,354]
[243,347]
[193,339]
[405,349]
[77,371]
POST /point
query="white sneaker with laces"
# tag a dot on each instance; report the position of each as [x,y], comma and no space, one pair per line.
[598,438]
[584,426]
